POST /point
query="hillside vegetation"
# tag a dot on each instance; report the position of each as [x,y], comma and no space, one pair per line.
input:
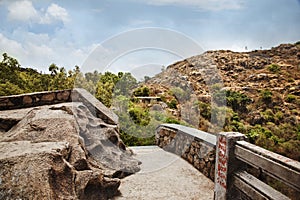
[260,89]
[256,93]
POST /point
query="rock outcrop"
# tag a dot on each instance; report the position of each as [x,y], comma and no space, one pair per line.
[61,151]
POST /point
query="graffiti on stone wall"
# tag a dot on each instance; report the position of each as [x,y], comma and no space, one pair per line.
[222,162]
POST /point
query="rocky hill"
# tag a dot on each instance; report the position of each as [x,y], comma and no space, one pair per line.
[261,90]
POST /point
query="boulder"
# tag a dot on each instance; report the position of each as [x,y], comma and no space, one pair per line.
[61,151]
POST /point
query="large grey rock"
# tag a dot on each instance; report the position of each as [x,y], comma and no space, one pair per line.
[61,151]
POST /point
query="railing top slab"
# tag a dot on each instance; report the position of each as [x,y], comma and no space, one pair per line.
[208,137]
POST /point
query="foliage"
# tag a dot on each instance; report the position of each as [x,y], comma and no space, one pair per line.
[233,123]
[172,120]
[274,68]
[172,104]
[139,115]
[125,84]
[258,134]
[16,79]
[268,115]
[237,101]
[132,140]
[291,98]
[266,96]
[111,85]
[205,110]
[180,94]
[142,92]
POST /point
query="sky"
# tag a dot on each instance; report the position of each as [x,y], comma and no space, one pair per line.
[151,33]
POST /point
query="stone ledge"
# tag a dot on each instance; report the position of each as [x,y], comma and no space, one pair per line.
[95,106]
[34,99]
[60,96]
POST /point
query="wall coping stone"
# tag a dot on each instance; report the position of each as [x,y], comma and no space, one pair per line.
[92,103]
[35,99]
[208,137]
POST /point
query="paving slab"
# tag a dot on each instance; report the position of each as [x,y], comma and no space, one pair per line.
[164,176]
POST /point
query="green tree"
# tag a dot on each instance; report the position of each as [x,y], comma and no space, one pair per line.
[125,84]
[53,69]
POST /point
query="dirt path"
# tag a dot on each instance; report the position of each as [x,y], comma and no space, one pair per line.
[165,176]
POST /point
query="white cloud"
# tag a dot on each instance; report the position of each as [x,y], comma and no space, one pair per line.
[10,46]
[55,12]
[39,51]
[201,4]
[24,10]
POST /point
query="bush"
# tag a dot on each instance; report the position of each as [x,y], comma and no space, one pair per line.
[290,98]
[131,140]
[274,68]
[237,101]
[254,133]
[172,104]
[172,120]
[139,115]
[266,96]
[205,110]
[278,116]
[268,115]
[142,92]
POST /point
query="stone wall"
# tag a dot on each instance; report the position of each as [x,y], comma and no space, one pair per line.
[34,99]
[195,146]
[60,96]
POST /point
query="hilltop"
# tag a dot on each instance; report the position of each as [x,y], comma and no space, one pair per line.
[261,89]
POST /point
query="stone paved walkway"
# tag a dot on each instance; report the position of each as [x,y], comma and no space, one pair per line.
[164,176]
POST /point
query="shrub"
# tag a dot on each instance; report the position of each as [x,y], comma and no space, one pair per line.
[253,133]
[142,92]
[266,96]
[274,68]
[131,140]
[268,115]
[236,126]
[163,98]
[139,115]
[278,116]
[172,120]
[290,98]
[172,104]
[237,101]
[205,110]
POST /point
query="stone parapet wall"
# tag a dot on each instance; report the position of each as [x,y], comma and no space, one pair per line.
[60,96]
[34,99]
[193,145]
